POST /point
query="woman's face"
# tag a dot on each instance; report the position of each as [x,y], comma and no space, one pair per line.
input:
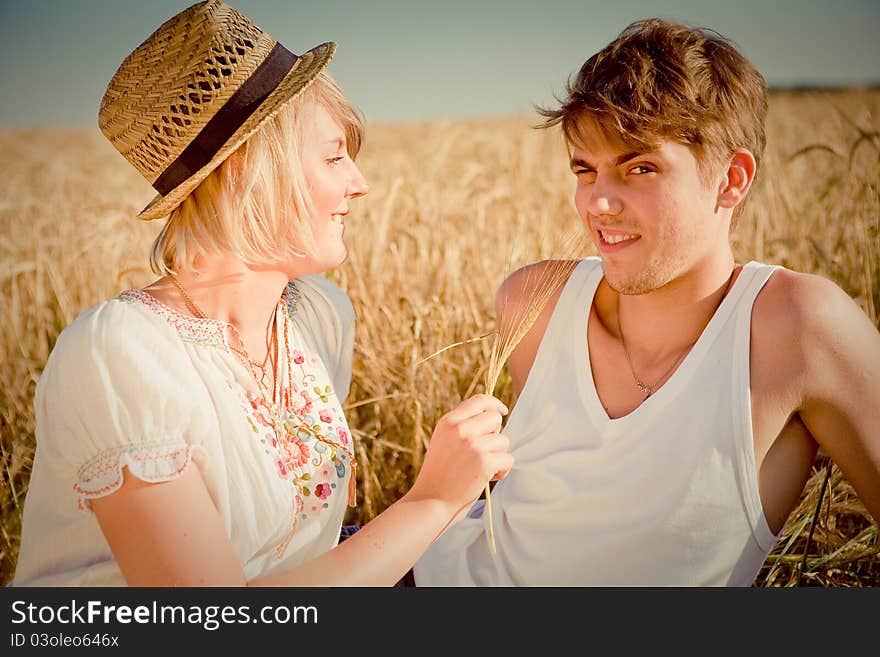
[333,180]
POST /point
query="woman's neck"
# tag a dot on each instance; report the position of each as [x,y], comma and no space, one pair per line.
[226,289]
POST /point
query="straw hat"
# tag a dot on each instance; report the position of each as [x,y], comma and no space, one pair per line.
[194,91]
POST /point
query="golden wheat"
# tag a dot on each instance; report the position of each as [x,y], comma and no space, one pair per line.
[454,207]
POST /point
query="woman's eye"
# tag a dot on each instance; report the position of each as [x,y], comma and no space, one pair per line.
[334,161]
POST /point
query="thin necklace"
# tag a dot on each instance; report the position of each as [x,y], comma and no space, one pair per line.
[647,389]
[242,352]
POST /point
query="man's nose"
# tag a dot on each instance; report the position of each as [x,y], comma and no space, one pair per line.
[603,198]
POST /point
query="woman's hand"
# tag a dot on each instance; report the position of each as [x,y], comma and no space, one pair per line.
[466,451]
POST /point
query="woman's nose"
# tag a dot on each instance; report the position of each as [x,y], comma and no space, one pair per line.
[358,185]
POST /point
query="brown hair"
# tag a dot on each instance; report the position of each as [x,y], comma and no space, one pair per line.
[256,204]
[661,80]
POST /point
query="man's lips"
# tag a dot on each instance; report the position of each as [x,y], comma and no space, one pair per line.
[612,241]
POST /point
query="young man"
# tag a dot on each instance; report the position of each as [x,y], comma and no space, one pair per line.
[670,402]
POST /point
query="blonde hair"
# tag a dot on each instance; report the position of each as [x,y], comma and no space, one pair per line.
[256,204]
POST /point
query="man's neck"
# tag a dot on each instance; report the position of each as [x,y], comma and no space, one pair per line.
[672,317]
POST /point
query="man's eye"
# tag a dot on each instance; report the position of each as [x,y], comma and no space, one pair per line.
[640,169]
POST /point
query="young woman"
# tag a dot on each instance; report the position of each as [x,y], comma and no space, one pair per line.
[191,432]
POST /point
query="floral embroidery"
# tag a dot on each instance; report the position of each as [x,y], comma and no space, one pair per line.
[294,454]
[312,509]
[324,394]
[306,406]
[309,444]
[299,442]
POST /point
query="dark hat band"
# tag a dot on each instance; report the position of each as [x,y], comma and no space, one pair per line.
[229,118]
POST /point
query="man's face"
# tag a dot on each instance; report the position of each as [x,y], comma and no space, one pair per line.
[649,214]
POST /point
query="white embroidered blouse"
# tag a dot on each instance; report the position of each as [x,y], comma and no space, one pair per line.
[132,382]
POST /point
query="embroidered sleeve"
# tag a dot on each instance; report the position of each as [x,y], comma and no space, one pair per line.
[150,462]
[118,391]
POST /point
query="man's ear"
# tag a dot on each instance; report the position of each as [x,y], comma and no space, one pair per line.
[738,178]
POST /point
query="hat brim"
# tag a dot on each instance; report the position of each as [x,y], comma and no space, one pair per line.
[300,76]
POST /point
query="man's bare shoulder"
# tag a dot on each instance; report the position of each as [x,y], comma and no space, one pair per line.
[538,281]
[806,329]
[803,306]
[530,294]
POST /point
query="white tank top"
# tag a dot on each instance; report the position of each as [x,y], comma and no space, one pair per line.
[664,496]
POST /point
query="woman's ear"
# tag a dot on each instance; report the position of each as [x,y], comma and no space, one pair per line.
[738,178]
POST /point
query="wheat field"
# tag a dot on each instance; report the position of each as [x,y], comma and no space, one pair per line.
[454,206]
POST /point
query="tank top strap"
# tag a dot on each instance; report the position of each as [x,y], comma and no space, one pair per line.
[572,306]
[734,315]
[576,298]
[553,359]
[755,275]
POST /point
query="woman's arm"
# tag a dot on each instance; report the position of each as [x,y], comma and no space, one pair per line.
[170,534]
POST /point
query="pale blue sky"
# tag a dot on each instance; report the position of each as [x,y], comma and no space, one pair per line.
[419,60]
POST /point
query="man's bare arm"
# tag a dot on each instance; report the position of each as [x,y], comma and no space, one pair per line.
[840,388]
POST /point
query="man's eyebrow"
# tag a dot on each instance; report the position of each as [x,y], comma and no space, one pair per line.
[577,162]
[620,159]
